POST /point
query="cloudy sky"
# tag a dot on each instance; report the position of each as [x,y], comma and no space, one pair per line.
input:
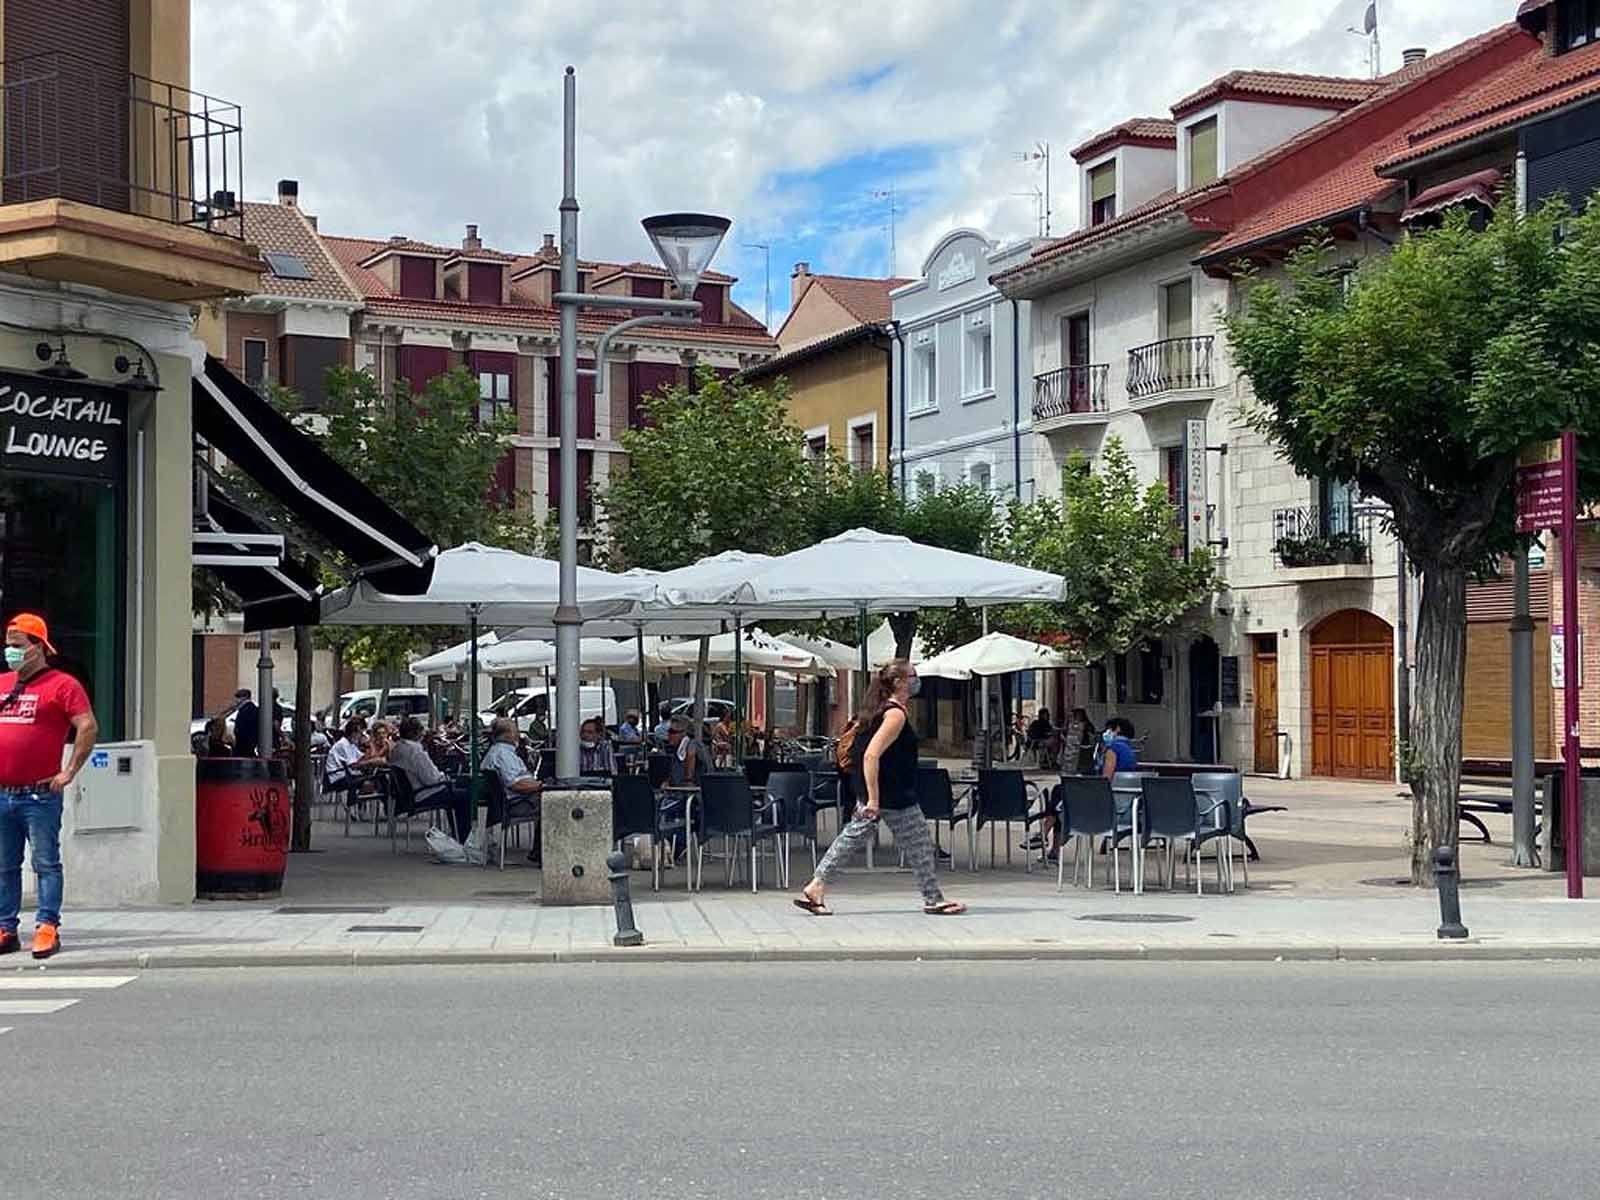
[794,117]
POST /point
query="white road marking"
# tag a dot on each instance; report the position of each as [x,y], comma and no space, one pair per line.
[34,982]
[33,1008]
[5,1029]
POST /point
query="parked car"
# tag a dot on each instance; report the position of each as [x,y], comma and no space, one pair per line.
[519,705]
[197,727]
[400,702]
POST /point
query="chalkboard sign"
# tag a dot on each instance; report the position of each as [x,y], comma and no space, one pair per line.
[1230,681]
[62,427]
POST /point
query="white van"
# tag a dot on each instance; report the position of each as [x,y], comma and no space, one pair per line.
[520,703]
[400,702]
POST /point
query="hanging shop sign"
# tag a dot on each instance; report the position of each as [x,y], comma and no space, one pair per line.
[62,427]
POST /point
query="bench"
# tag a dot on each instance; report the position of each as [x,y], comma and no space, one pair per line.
[1467,808]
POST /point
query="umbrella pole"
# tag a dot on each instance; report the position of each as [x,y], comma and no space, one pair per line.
[472,709]
[644,694]
[861,686]
[738,691]
[984,758]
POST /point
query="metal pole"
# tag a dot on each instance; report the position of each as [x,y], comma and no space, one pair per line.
[983,693]
[738,689]
[264,710]
[860,689]
[644,688]
[472,711]
[1523,853]
[567,621]
[1402,682]
[1571,824]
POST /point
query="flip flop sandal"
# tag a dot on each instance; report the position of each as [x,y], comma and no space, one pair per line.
[946,908]
[815,907]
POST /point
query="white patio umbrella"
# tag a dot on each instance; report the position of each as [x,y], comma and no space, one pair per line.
[448,664]
[992,654]
[836,654]
[594,654]
[473,583]
[753,648]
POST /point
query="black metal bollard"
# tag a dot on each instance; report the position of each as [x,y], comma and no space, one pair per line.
[1445,874]
[627,933]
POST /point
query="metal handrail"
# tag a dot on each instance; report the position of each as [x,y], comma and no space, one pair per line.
[1070,390]
[1170,365]
[76,130]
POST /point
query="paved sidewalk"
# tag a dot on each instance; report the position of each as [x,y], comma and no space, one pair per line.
[1008,920]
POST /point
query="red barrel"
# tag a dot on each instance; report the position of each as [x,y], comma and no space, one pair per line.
[242,820]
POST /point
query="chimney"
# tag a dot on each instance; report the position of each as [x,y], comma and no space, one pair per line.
[289,193]
[1414,55]
[549,247]
[470,242]
[799,280]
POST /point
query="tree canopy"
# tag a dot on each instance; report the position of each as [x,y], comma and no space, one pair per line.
[1419,377]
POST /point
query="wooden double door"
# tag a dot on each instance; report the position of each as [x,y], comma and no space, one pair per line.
[1352,697]
[1266,716]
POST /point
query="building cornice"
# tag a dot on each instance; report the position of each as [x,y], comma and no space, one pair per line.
[1117,249]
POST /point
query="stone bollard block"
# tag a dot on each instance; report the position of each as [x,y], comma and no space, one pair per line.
[1552,838]
[576,842]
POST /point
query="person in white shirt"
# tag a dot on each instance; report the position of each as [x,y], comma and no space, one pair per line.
[421,772]
[344,754]
[521,785]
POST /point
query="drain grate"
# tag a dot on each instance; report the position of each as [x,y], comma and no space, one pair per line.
[386,929]
[306,910]
[1120,918]
[505,895]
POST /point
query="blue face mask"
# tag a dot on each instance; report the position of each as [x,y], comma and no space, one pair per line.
[1108,737]
[914,687]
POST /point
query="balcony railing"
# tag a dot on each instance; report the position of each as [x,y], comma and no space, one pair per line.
[1321,537]
[1173,365]
[74,130]
[1070,391]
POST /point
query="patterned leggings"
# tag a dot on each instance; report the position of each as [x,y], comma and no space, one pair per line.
[910,830]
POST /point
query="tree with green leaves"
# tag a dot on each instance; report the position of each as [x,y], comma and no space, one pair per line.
[1118,544]
[715,467]
[1419,378]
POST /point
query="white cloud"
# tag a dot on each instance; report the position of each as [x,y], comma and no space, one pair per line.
[417,117]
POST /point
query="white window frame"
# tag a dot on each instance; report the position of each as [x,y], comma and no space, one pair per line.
[811,435]
[924,399]
[968,329]
[854,425]
[488,386]
[1161,305]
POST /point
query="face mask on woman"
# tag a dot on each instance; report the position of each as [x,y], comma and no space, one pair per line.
[914,685]
[1108,736]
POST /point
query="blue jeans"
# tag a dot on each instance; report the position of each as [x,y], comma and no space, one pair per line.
[35,817]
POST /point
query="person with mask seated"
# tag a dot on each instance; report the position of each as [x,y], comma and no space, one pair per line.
[595,756]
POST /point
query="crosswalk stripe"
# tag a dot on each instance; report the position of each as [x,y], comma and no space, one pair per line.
[62,983]
[5,1029]
[33,1008]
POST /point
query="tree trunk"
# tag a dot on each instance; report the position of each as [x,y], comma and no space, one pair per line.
[702,679]
[904,627]
[1435,753]
[300,839]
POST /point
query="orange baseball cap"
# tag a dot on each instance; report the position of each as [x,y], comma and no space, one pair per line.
[33,625]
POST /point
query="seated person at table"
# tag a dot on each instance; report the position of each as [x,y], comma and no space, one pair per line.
[378,744]
[346,753]
[539,724]
[1040,731]
[1117,751]
[722,738]
[628,732]
[408,756]
[688,755]
[664,725]
[521,785]
[594,749]
[219,742]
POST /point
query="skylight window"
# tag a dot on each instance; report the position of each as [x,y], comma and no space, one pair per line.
[286,266]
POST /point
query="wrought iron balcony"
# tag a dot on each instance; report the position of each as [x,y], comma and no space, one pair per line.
[1173,365]
[74,130]
[1319,537]
[1070,391]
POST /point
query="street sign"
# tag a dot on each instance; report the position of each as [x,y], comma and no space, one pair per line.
[1196,524]
[1539,494]
[1558,658]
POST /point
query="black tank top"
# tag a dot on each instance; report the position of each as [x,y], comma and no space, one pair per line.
[897,768]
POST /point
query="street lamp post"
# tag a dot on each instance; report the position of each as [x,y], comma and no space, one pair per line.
[686,243]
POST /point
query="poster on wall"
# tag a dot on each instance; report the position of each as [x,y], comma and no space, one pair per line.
[62,428]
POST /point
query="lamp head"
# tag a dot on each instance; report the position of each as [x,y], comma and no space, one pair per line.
[686,244]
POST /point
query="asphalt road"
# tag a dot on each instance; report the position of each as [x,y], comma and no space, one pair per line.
[848,1080]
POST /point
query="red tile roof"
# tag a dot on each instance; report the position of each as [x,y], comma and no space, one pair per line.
[1330,91]
[1140,131]
[482,254]
[867,300]
[1537,84]
[277,227]
[1481,186]
[401,245]
[545,319]
[604,271]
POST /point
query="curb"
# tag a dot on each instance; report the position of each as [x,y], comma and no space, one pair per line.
[1419,952]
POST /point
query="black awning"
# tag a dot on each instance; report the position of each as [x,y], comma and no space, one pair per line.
[264,444]
[273,597]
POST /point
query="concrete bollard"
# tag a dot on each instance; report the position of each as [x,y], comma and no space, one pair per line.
[627,933]
[1445,874]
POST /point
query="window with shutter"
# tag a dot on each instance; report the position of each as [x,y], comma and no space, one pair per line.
[1103,193]
[585,399]
[417,278]
[1203,153]
[418,364]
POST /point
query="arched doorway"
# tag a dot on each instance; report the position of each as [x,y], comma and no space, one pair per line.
[1352,696]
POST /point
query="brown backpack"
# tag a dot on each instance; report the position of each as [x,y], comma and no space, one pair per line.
[843,747]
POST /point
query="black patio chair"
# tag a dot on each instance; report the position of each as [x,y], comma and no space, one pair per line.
[634,813]
[789,800]
[658,769]
[509,812]
[1088,810]
[1001,798]
[728,811]
[1173,812]
[936,796]
[406,802]
[756,770]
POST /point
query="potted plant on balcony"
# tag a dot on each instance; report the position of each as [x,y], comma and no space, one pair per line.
[1302,551]
[1346,548]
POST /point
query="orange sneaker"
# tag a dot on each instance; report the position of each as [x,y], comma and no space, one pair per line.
[9,942]
[46,941]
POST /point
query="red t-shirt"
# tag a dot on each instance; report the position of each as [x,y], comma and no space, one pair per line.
[35,723]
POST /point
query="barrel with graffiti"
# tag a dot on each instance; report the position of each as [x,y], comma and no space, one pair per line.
[242,816]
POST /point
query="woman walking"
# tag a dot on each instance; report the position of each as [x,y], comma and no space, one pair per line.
[880,752]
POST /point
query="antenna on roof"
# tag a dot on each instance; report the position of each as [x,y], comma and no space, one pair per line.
[1041,154]
[766,252]
[888,194]
[1369,30]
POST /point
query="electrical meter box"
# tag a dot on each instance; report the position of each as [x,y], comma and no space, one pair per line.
[109,793]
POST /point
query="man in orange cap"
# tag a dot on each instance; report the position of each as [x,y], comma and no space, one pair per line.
[39,705]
